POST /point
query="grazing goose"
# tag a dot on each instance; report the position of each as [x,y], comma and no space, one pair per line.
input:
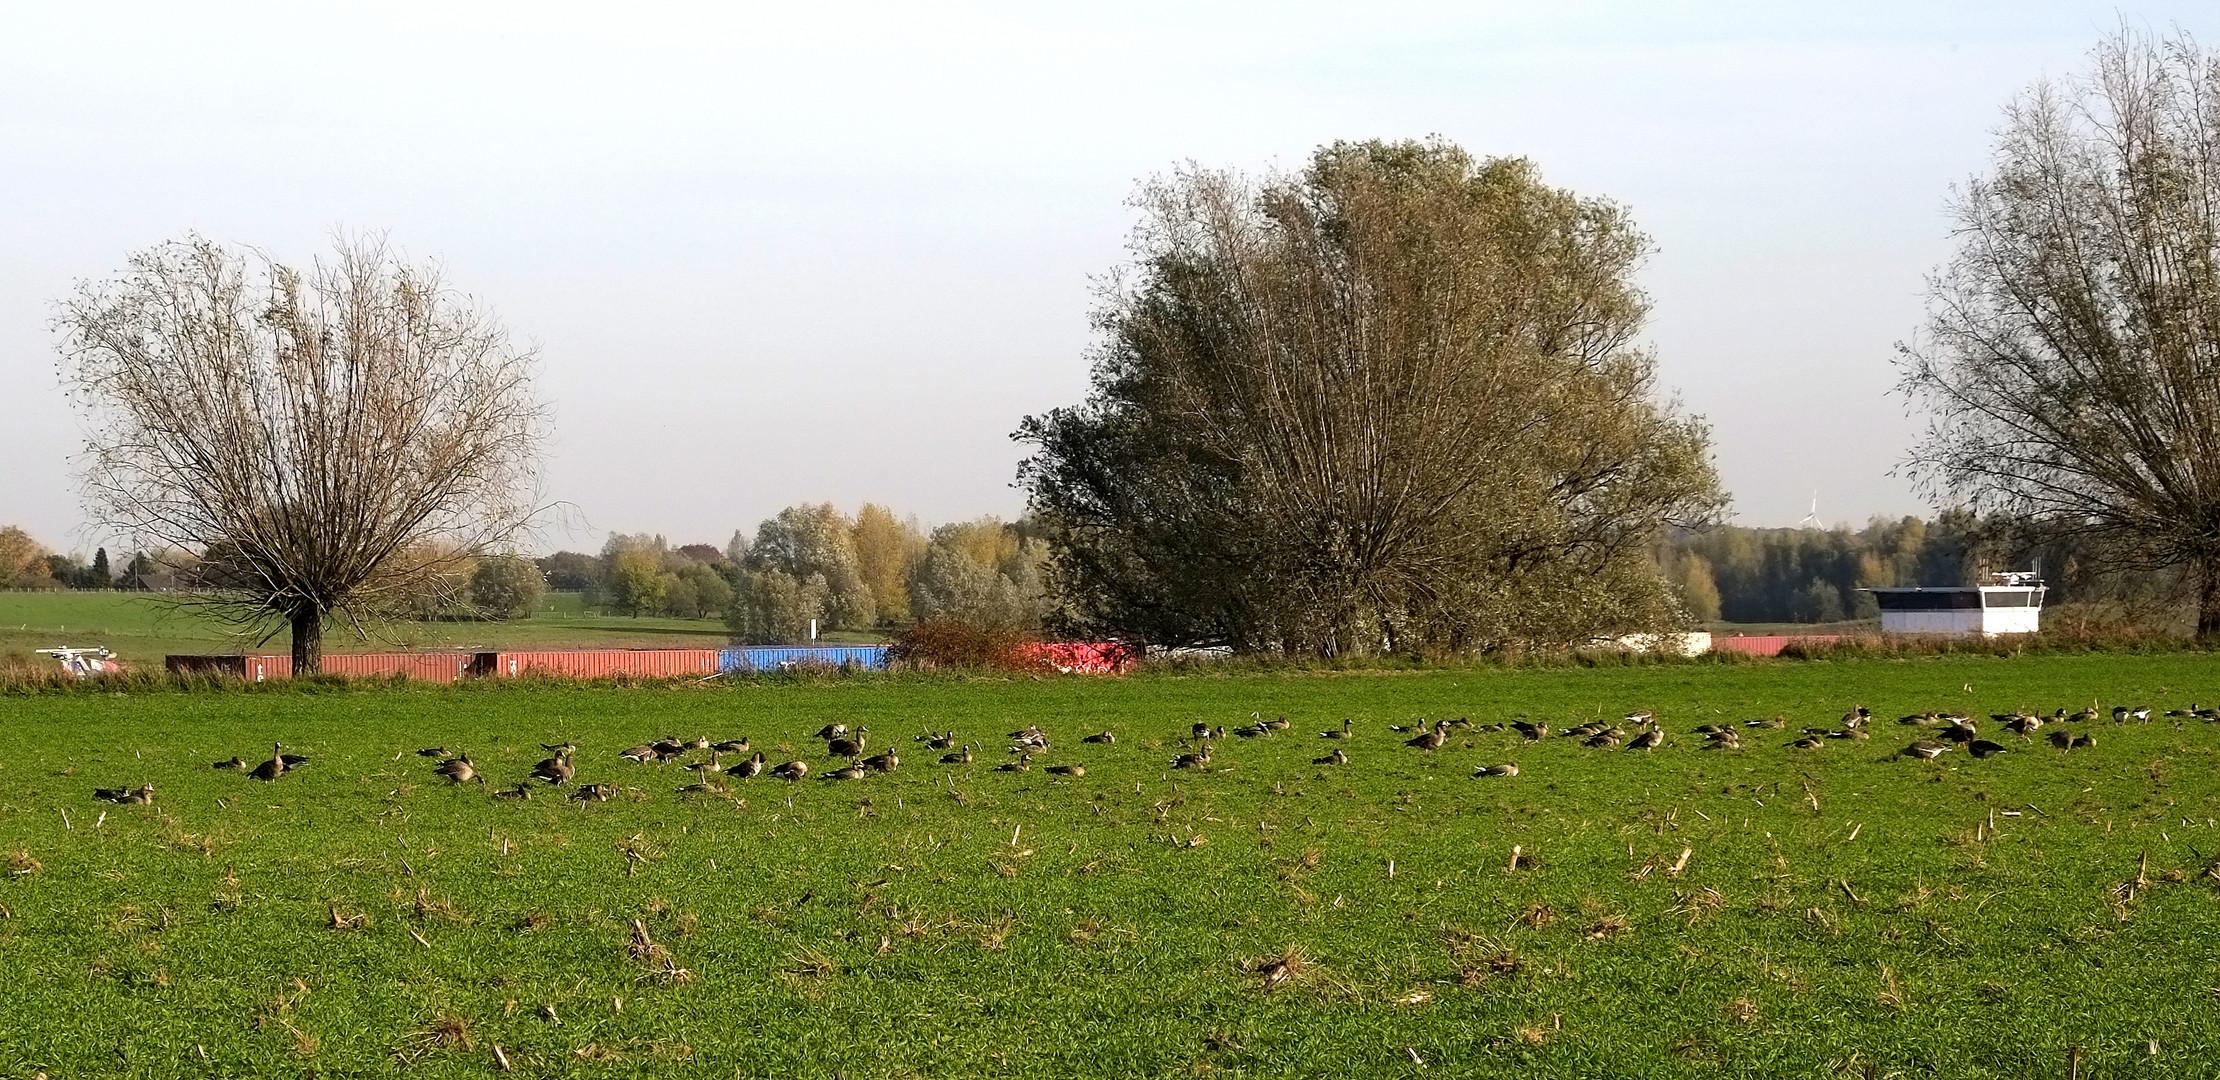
[1533,732]
[640,753]
[886,762]
[1068,770]
[138,796]
[1496,770]
[273,768]
[2119,714]
[1200,759]
[791,771]
[2066,740]
[960,757]
[1856,717]
[849,747]
[1432,740]
[1926,749]
[670,746]
[1960,732]
[1199,731]
[1338,757]
[1100,738]
[1024,763]
[1648,740]
[593,793]
[715,764]
[749,769]
[831,731]
[1347,723]
[2023,726]
[2141,713]
[232,763]
[458,770]
[1982,748]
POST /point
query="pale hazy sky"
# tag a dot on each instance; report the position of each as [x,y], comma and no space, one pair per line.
[836,251]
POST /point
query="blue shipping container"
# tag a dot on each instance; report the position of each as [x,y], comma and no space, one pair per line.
[785,657]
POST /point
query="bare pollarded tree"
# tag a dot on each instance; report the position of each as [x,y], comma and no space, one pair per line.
[2071,362]
[332,439]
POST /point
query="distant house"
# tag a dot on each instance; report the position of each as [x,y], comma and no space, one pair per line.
[2013,606]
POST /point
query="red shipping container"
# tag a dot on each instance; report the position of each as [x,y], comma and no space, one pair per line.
[1768,644]
[602,663]
[430,667]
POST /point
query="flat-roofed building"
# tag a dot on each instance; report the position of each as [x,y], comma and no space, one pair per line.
[2013,606]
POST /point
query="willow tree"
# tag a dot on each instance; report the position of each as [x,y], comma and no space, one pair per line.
[1395,401]
[331,439]
[2070,365]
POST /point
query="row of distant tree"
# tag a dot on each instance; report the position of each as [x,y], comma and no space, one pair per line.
[814,563]
[1747,575]
[27,564]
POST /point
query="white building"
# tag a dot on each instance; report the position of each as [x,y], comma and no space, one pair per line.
[2012,607]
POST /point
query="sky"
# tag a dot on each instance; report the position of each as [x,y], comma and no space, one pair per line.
[771,254]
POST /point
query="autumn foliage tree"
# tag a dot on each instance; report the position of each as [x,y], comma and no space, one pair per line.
[1396,401]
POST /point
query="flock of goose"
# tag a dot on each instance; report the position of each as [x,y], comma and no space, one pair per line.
[1950,731]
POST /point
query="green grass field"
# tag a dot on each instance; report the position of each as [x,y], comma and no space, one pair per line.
[142,629]
[1833,911]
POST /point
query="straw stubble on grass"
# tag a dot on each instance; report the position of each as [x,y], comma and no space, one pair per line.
[1682,912]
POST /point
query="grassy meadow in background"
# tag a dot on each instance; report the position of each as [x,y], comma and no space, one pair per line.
[142,629]
[1684,912]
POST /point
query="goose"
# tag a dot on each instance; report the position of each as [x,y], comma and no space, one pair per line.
[639,753]
[886,762]
[960,757]
[848,772]
[556,770]
[1773,723]
[1034,742]
[1252,731]
[2023,726]
[1281,724]
[2066,740]
[1462,723]
[2085,715]
[231,763]
[1725,740]
[699,742]
[457,770]
[1709,729]
[749,769]
[593,793]
[2141,713]
[1338,757]
[848,747]
[831,731]
[273,768]
[561,749]
[1432,740]
[943,741]
[1639,716]
[715,764]
[1496,770]
[1101,738]
[1648,740]
[1029,731]
[1200,731]
[1959,733]
[791,771]
[2119,714]
[1926,749]
[1808,742]
[2192,710]
[1347,723]
[732,746]
[1024,763]
[1534,731]
[1856,717]
[432,751]
[1925,719]
[1859,734]
[520,791]
[670,746]
[1197,760]
[1982,748]
[139,796]
[1606,739]
[705,787]
[1068,770]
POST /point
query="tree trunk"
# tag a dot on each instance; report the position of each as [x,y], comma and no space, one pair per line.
[2207,569]
[308,642]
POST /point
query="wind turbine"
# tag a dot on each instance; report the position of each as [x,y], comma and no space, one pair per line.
[1811,520]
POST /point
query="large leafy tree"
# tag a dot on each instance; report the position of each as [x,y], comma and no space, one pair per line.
[331,438]
[1396,401]
[2070,365]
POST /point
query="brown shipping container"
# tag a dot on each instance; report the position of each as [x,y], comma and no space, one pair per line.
[250,668]
[600,663]
[430,667]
